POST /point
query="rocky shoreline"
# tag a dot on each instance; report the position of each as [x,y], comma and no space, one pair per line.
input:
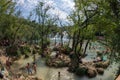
[15,72]
[90,69]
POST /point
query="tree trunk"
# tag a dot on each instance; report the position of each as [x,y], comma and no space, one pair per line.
[61,39]
[81,43]
[73,42]
[14,35]
[68,44]
[86,47]
[42,44]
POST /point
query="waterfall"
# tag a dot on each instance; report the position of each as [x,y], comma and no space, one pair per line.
[57,38]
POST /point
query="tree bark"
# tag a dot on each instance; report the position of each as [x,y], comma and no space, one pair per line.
[86,47]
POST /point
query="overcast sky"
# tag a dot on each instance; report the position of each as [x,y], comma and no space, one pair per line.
[61,7]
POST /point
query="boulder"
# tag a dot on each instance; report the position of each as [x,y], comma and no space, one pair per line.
[91,72]
[106,64]
[60,61]
[81,70]
[37,47]
[33,78]
[22,77]
[103,64]
[98,64]
[100,70]
[22,68]
[55,49]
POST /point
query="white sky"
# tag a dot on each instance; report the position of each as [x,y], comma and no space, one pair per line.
[61,7]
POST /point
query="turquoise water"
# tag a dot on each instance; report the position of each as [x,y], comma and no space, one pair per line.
[47,73]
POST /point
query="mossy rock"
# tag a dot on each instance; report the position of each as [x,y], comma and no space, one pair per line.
[100,71]
[25,49]
[56,63]
[72,69]
[81,71]
[91,72]
[104,64]
[98,64]
[55,49]
[37,47]
[66,50]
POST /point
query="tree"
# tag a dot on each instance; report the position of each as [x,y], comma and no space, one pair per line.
[88,18]
[45,22]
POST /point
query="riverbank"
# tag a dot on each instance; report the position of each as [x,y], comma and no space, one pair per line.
[17,69]
[49,73]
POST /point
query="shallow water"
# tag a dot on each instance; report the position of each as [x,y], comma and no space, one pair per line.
[47,73]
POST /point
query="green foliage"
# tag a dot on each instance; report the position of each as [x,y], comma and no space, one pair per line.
[40,51]
[12,51]
[67,49]
[25,50]
[18,53]
[78,50]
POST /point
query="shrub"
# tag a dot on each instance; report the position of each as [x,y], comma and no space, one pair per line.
[25,50]
[12,50]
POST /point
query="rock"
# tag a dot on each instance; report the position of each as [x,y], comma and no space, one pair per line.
[106,64]
[36,78]
[22,68]
[71,69]
[55,49]
[22,77]
[37,47]
[100,70]
[62,50]
[103,64]
[60,61]
[98,64]
[81,70]
[33,78]
[91,72]
[26,56]
[14,58]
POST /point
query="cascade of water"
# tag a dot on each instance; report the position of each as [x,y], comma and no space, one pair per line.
[57,38]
